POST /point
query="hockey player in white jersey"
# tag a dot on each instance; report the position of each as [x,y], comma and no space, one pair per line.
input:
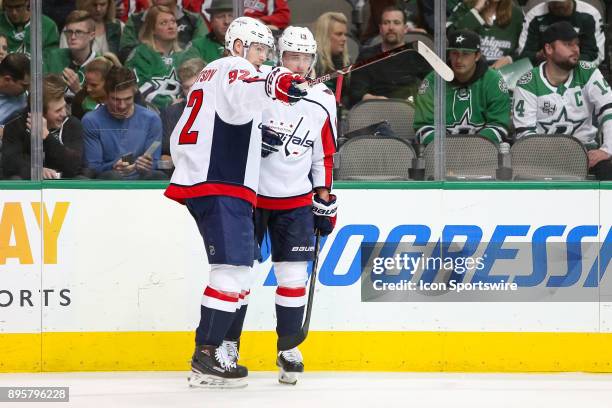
[297,160]
[563,94]
[216,149]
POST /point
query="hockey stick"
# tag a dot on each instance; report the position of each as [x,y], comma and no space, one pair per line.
[436,63]
[294,340]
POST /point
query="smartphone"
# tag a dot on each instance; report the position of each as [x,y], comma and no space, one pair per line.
[128,158]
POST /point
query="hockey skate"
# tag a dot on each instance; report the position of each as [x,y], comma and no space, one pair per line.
[290,363]
[211,367]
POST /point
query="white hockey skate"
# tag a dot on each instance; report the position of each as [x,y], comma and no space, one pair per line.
[211,367]
[290,364]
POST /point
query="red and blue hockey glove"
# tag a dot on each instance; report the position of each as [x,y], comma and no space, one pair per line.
[324,214]
[269,139]
[281,84]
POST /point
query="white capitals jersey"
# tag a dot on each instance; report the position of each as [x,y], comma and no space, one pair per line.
[216,144]
[305,160]
[539,107]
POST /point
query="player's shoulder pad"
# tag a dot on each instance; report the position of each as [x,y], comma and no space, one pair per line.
[264,70]
[321,93]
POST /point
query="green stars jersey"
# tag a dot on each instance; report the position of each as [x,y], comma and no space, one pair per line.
[205,48]
[156,74]
[496,41]
[482,106]
[58,59]
[19,38]
[540,107]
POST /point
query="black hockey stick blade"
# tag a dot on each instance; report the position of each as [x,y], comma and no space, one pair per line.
[291,341]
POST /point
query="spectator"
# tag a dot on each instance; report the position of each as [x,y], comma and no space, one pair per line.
[62,138]
[58,10]
[210,47]
[424,18]
[188,74]
[119,131]
[92,93]
[70,62]
[563,94]
[477,101]
[332,52]
[189,26]
[125,8]
[372,28]
[156,59]
[15,24]
[14,82]
[273,13]
[108,28]
[3,46]
[397,77]
[586,21]
[499,24]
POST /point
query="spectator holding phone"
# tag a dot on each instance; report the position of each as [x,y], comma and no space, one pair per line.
[119,136]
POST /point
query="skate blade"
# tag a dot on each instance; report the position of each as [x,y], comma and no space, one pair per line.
[200,380]
[288,378]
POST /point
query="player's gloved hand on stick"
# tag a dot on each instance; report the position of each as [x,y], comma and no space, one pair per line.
[324,214]
[281,84]
[269,139]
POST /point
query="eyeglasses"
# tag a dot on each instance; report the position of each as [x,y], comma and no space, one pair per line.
[78,33]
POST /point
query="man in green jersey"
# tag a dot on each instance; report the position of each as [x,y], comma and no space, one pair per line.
[15,24]
[586,20]
[563,94]
[210,47]
[477,101]
[70,62]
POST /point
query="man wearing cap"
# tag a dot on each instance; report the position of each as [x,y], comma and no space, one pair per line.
[477,101]
[561,95]
[210,47]
[586,20]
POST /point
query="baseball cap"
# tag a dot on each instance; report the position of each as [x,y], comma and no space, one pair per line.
[464,40]
[561,30]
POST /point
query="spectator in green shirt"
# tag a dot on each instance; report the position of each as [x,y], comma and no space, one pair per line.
[498,23]
[15,24]
[70,62]
[210,47]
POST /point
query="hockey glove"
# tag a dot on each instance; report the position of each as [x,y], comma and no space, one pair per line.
[324,214]
[281,84]
[269,139]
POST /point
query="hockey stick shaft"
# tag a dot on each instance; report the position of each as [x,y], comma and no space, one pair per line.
[291,341]
[436,63]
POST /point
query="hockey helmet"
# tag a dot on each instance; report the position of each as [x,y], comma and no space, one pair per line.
[249,31]
[297,39]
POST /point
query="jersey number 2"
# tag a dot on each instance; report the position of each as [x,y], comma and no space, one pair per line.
[187,135]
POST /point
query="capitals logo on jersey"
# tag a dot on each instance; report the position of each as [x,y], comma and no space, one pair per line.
[295,142]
